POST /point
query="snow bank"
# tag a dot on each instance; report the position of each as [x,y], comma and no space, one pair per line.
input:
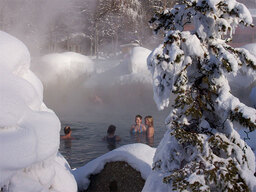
[136,62]
[66,66]
[154,183]
[139,156]
[29,131]
[132,69]
[251,47]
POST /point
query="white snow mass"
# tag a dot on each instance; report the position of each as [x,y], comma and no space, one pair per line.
[29,131]
[66,67]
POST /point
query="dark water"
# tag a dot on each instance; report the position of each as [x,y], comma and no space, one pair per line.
[88,144]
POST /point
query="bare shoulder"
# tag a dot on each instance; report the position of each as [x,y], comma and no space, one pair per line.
[151,129]
[118,138]
[150,132]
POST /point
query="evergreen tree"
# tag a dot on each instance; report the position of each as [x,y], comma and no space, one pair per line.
[202,151]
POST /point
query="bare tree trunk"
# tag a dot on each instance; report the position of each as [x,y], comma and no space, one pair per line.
[113,44]
[116,43]
[96,42]
[91,49]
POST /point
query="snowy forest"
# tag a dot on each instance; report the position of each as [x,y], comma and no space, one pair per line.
[89,27]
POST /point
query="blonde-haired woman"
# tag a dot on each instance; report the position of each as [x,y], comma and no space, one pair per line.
[150,129]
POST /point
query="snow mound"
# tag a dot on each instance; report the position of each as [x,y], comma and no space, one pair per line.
[139,156]
[138,60]
[251,47]
[29,131]
[131,70]
[66,66]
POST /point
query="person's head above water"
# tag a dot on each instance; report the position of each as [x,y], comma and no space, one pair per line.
[138,127]
[111,129]
[67,130]
[138,119]
[149,121]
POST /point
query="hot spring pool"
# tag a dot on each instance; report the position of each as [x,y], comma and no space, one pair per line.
[88,143]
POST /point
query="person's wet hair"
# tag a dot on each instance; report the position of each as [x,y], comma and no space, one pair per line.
[150,119]
[111,129]
[139,116]
[67,130]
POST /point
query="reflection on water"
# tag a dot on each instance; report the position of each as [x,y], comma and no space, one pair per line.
[150,141]
[139,137]
[67,144]
[111,142]
[111,146]
[88,144]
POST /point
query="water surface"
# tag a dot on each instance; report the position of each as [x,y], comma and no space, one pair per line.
[88,144]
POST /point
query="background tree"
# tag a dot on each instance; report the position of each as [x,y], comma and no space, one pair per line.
[114,21]
[201,150]
[85,26]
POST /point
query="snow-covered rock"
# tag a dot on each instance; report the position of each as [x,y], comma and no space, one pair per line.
[139,156]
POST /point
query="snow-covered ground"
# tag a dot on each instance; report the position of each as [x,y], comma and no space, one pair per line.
[29,131]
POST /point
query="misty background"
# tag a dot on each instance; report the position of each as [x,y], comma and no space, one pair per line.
[90,27]
[94,28]
[97,29]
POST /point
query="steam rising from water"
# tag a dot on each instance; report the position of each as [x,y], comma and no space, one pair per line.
[38,22]
[117,93]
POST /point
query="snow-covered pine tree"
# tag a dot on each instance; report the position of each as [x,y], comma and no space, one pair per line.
[202,151]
